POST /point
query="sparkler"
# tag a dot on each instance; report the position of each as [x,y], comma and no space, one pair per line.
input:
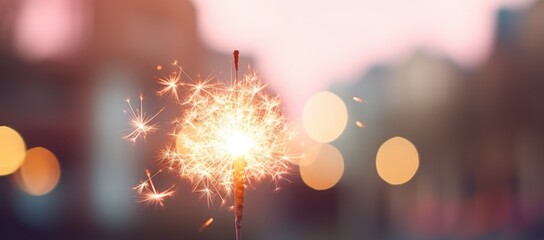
[230,135]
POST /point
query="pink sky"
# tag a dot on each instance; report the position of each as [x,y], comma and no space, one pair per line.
[303,46]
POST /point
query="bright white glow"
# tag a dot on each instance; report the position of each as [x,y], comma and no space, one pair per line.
[239,144]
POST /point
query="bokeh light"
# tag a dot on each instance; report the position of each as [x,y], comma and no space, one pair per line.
[397,161]
[322,166]
[12,150]
[324,117]
[40,172]
[59,24]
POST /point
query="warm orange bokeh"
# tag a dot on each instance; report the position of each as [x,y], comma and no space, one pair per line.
[325,117]
[397,161]
[40,172]
[322,166]
[12,150]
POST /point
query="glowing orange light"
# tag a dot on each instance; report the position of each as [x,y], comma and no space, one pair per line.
[325,117]
[40,172]
[322,166]
[397,161]
[12,150]
[205,224]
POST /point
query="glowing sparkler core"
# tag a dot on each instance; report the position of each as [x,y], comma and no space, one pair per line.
[239,144]
[222,122]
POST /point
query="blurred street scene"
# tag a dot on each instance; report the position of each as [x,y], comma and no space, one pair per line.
[472,118]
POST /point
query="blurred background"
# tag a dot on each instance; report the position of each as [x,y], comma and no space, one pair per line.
[419,120]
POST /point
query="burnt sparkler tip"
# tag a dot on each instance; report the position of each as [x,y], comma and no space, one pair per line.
[236,53]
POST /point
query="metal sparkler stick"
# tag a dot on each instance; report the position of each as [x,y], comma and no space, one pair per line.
[239,167]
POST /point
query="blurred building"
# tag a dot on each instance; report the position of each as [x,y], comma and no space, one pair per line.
[476,136]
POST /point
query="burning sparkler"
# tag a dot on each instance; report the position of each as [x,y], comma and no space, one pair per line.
[230,134]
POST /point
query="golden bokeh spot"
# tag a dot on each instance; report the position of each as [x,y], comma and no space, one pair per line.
[397,161]
[324,117]
[12,150]
[322,166]
[40,172]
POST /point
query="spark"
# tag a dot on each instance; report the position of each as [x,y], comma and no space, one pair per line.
[205,224]
[359,100]
[359,124]
[139,121]
[170,84]
[141,187]
[149,194]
